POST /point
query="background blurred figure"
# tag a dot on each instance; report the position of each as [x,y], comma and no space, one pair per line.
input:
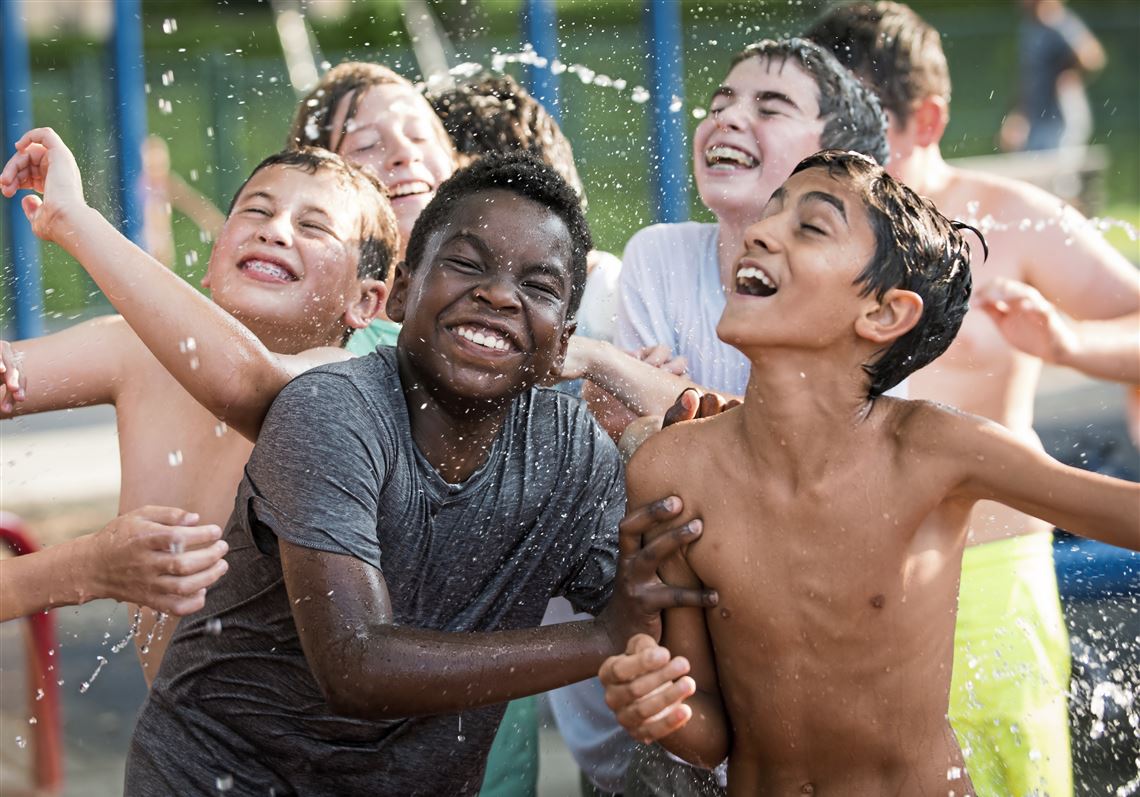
[165,192]
[1055,52]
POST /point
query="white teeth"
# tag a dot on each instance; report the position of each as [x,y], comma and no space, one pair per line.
[408,189]
[484,338]
[264,267]
[716,155]
[754,273]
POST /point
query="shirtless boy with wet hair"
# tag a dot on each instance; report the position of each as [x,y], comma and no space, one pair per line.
[835,517]
[1008,705]
[298,265]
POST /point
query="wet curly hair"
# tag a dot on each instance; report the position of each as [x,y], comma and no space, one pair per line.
[520,173]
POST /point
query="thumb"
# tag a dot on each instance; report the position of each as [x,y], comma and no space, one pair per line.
[31,205]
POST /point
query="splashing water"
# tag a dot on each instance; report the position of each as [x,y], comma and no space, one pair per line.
[156,629]
[87,684]
[132,632]
[460,736]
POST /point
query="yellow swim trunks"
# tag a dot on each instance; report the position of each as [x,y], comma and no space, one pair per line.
[1011,671]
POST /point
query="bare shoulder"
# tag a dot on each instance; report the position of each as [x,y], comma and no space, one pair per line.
[929,427]
[322,355]
[667,459]
[1008,200]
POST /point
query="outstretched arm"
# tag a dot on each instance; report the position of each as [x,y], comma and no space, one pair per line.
[642,384]
[155,556]
[997,466]
[226,368]
[1028,321]
[369,667]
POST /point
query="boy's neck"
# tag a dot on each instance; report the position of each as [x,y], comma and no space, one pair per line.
[454,435]
[729,248]
[801,407]
[924,170]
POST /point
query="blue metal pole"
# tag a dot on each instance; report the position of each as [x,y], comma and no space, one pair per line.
[129,113]
[23,250]
[669,160]
[540,29]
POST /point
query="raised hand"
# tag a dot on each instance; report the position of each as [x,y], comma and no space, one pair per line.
[646,689]
[661,356]
[43,163]
[639,594]
[1026,319]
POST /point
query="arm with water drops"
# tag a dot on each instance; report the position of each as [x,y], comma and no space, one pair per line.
[154,556]
[367,666]
[1086,307]
[213,356]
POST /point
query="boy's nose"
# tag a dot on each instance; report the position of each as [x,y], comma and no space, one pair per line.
[499,292]
[759,236]
[729,118]
[275,230]
[402,152]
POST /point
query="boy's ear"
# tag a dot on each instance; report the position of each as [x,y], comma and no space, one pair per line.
[564,343]
[891,318]
[398,294]
[368,304]
[931,117]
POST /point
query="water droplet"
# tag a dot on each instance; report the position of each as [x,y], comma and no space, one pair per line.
[700,113]
[21,742]
[214,626]
[640,95]
[675,104]
[169,25]
[224,782]
[220,429]
[87,684]
[174,458]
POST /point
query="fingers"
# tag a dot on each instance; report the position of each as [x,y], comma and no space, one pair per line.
[683,409]
[658,727]
[678,366]
[642,519]
[642,655]
[188,585]
[12,382]
[654,355]
[197,560]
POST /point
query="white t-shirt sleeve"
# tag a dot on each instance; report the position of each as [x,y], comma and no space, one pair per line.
[643,296]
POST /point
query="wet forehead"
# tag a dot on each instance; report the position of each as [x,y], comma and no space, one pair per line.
[761,75]
[384,104]
[844,195]
[511,227]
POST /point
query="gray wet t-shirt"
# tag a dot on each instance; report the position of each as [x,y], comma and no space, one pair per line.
[235,705]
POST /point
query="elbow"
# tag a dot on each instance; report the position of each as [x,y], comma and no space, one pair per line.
[348,697]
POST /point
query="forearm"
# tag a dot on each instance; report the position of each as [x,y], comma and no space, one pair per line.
[55,576]
[1104,349]
[704,739]
[643,388]
[387,671]
[212,355]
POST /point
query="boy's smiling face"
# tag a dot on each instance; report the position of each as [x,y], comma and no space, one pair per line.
[287,256]
[796,282]
[395,134]
[763,120]
[484,312]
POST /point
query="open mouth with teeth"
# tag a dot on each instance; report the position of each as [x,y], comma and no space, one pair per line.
[725,158]
[409,188]
[485,338]
[752,281]
[266,270]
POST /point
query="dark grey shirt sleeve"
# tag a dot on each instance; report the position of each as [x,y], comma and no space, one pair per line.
[317,470]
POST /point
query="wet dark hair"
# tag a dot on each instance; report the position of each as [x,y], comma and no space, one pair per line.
[493,113]
[891,47]
[916,249]
[520,173]
[313,120]
[853,118]
[379,236]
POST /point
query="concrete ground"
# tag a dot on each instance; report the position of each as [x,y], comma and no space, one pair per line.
[60,473]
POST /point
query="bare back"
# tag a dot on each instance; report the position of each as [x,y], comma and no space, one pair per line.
[834,632]
[1032,239]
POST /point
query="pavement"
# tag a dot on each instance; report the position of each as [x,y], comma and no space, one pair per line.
[60,474]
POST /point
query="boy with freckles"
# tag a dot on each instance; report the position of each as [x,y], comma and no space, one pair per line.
[835,517]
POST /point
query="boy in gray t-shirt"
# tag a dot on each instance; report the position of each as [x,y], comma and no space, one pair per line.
[397,503]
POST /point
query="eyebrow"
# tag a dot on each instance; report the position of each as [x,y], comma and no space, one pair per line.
[543,267]
[829,199]
[776,96]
